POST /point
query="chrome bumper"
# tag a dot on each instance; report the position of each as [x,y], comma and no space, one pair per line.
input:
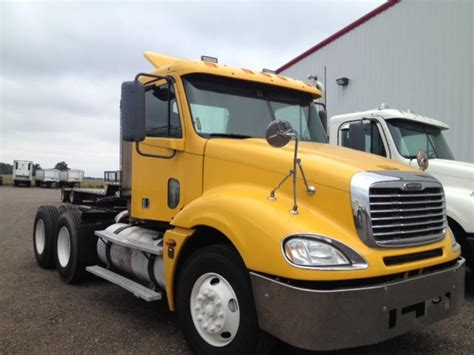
[344,318]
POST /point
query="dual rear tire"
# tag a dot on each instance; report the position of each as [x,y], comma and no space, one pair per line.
[44,230]
[63,241]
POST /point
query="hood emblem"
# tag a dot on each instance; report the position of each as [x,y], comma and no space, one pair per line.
[412,186]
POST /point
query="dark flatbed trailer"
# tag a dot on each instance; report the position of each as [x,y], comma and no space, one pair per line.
[78,196]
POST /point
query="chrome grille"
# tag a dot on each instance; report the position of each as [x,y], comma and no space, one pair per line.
[401,217]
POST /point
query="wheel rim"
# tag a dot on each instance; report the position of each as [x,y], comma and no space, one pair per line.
[40,236]
[64,246]
[215,309]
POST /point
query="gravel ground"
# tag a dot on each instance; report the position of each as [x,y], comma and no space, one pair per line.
[40,314]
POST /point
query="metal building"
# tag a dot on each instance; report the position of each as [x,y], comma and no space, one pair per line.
[415,55]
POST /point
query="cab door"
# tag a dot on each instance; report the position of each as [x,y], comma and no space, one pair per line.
[364,135]
[164,176]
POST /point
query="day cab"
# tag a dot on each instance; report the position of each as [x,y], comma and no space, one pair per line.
[320,246]
[400,135]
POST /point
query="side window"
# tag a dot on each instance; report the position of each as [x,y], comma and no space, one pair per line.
[158,123]
[373,138]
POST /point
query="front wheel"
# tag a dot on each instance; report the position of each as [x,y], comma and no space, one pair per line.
[215,304]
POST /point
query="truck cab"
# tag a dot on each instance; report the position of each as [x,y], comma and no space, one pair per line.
[399,136]
[22,173]
[251,225]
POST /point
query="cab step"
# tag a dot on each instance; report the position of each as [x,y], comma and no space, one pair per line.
[134,287]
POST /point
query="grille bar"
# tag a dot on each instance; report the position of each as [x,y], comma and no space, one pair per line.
[409,231]
[382,203]
[409,224]
[408,217]
[401,210]
[407,195]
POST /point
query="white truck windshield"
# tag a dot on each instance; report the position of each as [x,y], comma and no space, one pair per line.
[234,108]
[410,137]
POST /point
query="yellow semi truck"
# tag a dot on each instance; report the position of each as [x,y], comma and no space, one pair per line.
[253,227]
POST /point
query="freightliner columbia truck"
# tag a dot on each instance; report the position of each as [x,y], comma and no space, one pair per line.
[251,225]
[400,136]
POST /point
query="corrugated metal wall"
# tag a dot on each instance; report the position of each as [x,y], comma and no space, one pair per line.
[417,55]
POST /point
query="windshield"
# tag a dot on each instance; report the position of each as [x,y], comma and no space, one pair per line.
[410,137]
[241,109]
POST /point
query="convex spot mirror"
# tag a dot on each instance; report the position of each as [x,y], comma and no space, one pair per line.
[132,111]
[279,133]
[422,160]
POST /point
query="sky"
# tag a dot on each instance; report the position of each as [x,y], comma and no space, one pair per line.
[62,62]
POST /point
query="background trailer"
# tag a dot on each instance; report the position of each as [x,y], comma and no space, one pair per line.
[415,55]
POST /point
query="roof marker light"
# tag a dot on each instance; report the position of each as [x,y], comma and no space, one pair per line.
[206,58]
[265,70]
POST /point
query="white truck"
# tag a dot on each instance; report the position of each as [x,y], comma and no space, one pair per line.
[47,177]
[71,177]
[22,172]
[400,135]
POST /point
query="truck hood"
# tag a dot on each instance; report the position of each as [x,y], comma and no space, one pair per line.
[452,168]
[323,164]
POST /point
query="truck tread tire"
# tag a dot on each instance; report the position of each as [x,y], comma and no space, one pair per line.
[44,231]
[65,208]
[75,246]
[224,261]
[461,238]
[75,198]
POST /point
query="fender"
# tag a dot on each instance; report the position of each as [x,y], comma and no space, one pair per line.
[460,207]
[257,227]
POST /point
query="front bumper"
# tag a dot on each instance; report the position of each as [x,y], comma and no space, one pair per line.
[344,318]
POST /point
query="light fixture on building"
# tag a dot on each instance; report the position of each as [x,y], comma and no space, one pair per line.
[342,81]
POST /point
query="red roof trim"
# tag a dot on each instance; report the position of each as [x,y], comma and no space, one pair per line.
[340,33]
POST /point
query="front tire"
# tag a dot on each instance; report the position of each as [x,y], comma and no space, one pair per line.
[215,304]
[44,231]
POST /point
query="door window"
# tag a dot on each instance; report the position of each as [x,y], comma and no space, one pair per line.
[373,139]
[162,120]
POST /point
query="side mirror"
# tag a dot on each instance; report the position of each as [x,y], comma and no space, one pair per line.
[422,160]
[132,111]
[279,133]
[357,136]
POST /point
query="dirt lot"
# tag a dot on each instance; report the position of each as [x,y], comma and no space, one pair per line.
[40,314]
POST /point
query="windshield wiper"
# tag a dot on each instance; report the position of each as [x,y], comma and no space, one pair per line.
[229,135]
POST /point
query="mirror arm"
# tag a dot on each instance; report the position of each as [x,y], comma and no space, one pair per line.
[168,78]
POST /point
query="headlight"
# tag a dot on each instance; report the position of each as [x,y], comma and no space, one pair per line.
[315,251]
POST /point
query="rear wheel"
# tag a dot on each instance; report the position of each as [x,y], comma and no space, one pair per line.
[44,231]
[215,304]
[75,198]
[461,238]
[76,245]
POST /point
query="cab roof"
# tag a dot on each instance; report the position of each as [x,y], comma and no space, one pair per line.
[164,64]
[389,113]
